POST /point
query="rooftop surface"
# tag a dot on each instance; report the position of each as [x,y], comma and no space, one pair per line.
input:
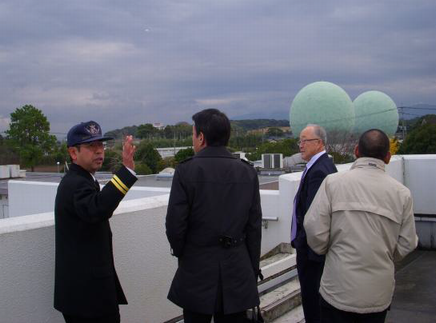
[415,291]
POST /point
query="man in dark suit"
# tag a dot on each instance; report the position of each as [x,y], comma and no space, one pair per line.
[309,264]
[87,288]
[214,227]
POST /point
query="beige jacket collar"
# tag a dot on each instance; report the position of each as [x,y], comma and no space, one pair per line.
[369,162]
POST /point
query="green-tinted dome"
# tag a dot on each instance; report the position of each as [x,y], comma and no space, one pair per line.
[322,103]
[374,109]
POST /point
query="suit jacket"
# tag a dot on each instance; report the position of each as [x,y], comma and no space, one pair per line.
[308,189]
[86,283]
[214,194]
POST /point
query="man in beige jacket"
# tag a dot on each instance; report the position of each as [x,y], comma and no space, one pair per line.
[362,219]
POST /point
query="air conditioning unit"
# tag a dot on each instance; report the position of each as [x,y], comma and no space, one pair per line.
[271,161]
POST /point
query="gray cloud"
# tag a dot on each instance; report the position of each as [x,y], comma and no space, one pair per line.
[131,62]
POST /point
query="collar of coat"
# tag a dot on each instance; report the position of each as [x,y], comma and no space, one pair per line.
[212,151]
[80,170]
[369,162]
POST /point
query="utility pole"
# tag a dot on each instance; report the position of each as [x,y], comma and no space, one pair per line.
[174,141]
[403,127]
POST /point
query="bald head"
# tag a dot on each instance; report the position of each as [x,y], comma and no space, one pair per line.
[374,143]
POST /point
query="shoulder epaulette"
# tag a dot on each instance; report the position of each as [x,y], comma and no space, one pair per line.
[247,162]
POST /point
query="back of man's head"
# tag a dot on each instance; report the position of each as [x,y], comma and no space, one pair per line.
[374,143]
[214,125]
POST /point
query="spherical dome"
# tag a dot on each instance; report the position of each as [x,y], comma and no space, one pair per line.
[375,109]
[322,103]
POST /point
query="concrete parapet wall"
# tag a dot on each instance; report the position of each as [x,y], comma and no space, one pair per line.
[27,197]
[142,259]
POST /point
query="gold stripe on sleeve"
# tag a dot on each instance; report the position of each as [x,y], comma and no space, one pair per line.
[118,186]
[121,183]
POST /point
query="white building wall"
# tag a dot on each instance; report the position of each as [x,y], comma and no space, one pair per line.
[395,168]
[30,197]
[420,178]
[271,236]
[170,151]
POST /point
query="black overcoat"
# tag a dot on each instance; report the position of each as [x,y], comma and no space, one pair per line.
[214,194]
[86,283]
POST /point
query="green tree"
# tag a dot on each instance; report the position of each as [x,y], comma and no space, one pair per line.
[166,162]
[147,154]
[146,131]
[184,154]
[143,169]
[7,155]
[61,153]
[422,140]
[29,134]
[287,147]
[183,130]
[274,132]
[112,160]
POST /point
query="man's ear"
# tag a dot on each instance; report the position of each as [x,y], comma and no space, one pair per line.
[387,159]
[73,153]
[202,140]
[356,151]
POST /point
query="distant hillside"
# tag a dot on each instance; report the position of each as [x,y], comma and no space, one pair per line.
[265,114]
[243,125]
[420,121]
[416,111]
[120,133]
[253,124]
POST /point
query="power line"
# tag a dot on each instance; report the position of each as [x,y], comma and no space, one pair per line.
[350,118]
[366,115]
[418,108]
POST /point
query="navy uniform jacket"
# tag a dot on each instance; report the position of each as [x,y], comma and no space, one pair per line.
[214,194]
[86,283]
[311,183]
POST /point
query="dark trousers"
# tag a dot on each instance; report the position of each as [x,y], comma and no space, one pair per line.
[113,318]
[192,317]
[330,314]
[309,274]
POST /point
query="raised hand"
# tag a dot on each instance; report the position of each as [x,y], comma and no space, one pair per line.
[128,152]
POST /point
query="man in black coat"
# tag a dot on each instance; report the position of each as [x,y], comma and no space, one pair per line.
[87,288]
[310,265]
[214,227]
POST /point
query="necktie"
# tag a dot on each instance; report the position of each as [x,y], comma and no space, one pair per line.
[294,211]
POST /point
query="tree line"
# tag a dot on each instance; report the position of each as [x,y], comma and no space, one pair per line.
[29,142]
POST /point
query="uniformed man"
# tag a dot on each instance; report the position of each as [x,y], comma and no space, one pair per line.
[214,227]
[87,288]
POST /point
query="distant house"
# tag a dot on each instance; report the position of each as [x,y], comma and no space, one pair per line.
[159,125]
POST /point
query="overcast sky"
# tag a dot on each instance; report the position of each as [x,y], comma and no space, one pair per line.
[122,63]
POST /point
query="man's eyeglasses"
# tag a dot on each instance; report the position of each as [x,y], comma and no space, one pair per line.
[303,141]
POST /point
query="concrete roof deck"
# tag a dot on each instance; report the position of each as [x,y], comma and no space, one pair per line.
[415,291]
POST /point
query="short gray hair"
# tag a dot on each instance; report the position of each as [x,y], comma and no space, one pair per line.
[319,132]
